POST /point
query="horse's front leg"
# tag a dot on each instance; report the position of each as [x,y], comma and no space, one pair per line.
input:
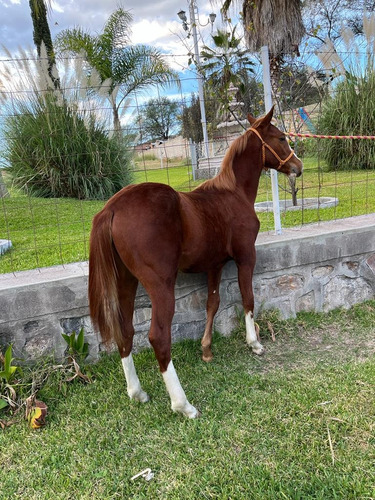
[213,301]
[245,281]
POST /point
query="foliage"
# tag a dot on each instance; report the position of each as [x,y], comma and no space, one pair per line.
[56,143]
[251,93]
[157,119]
[325,18]
[298,86]
[7,391]
[349,110]
[19,398]
[191,117]
[122,67]
[54,150]
[225,65]
[77,347]
[8,371]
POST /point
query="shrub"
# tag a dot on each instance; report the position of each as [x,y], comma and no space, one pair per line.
[56,144]
[350,112]
[350,108]
[53,150]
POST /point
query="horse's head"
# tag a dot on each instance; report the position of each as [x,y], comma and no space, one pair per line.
[276,152]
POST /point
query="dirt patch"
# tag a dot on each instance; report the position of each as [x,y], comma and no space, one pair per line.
[333,344]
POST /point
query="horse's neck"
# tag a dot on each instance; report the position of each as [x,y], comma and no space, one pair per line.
[247,169]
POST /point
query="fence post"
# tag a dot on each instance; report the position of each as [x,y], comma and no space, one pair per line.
[268,106]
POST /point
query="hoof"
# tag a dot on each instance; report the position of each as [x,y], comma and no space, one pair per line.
[140,396]
[188,410]
[258,349]
[207,355]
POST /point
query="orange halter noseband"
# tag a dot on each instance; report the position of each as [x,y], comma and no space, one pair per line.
[265,145]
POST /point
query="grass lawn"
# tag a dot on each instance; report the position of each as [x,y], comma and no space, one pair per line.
[297,423]
[46,232]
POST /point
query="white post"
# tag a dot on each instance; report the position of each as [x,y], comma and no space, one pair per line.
[268,106]
[200,78]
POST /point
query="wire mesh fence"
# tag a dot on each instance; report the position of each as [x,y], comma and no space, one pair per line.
[39,230]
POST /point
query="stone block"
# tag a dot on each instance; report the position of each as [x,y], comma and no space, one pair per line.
[343,291]
[322,271]
[306,302]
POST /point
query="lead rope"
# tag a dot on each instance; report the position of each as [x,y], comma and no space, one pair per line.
[264,146]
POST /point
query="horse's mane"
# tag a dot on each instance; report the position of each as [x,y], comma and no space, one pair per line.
[225,180]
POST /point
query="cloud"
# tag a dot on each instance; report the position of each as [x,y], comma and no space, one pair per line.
[153,22]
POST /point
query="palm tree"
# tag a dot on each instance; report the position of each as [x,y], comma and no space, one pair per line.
[42,36]
[275,23]
[224,65]
[124,67]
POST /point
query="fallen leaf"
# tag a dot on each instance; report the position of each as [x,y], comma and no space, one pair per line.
[37,415]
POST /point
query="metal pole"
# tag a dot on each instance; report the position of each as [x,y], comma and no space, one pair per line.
[200,77]
[268,106]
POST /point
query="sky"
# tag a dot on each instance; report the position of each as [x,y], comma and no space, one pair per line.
[154,22]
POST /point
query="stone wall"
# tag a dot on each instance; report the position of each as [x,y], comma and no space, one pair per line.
[313,268]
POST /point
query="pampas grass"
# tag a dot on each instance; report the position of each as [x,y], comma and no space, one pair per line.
[349,110]
[56,145]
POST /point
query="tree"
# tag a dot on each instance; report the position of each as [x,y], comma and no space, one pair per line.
[225,64]
[42,36]
[191,118]
[325,18]
[124,67]
[277,24]
[158,119]
[297,88]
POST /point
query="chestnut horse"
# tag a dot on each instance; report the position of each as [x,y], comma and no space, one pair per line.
[148,232]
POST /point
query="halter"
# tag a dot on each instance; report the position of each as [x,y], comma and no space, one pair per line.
[265,145]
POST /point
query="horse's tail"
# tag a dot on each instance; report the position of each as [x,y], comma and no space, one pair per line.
[103,293]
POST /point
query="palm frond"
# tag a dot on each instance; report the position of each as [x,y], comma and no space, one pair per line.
[139,66]
[117,29]
[276,23]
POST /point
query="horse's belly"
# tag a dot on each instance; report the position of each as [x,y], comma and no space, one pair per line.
[200,262]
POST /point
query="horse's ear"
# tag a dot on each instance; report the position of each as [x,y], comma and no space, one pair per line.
[267,119]
[251,119]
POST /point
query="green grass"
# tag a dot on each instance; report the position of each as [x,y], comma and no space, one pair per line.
[264,431]
[47,232]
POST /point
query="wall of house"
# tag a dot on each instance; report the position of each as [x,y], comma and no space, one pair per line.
[313,268]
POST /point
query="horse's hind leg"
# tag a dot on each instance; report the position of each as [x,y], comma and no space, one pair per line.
[163,302]
[213,301]
[245,275]
[127,288]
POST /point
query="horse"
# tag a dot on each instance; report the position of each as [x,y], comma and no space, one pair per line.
[148,232]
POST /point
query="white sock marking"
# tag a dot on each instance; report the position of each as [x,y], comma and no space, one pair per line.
[179,401]
[251,335]
[133,385]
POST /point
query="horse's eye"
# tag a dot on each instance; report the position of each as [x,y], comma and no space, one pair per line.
[282,138]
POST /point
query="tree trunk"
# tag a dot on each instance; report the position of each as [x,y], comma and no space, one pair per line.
[116,121]
[42,34]
[294,191]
